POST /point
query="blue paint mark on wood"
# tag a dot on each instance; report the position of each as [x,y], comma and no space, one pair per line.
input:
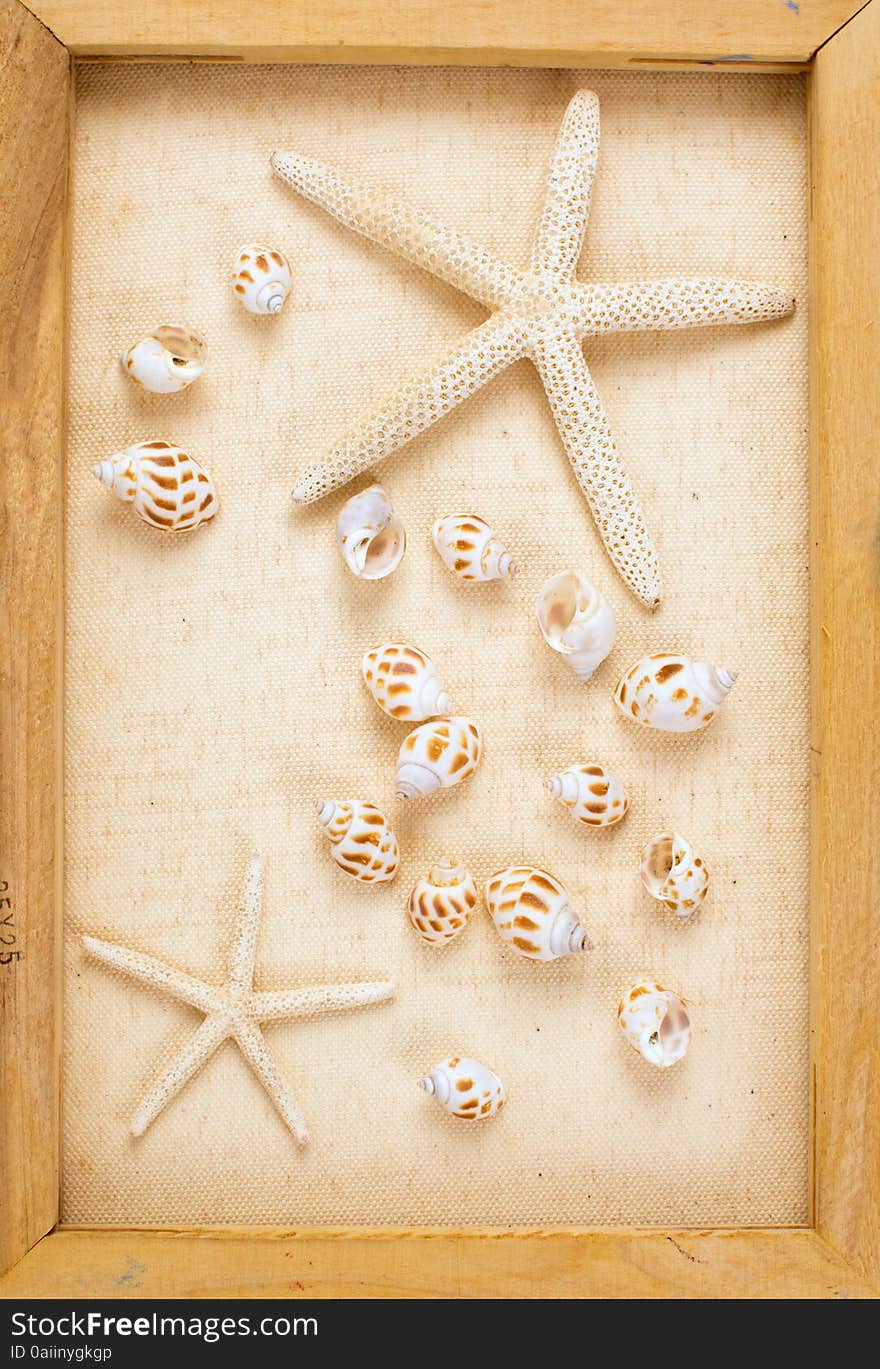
[793,6]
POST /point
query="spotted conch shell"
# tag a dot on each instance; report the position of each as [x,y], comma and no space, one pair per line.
[672,693]
[441,902]
[673,873]
[370,535]
[167,360]
[362,842]
[576,620]
[465,1088]
[262,278]
[655,1022]
[404,682]
[532,913]
[590,793]
[437,755]
[469,547]
[168,488]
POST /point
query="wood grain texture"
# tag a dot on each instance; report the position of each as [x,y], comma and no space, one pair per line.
[502,32]
[34,78]
[845,265]
[267,1264]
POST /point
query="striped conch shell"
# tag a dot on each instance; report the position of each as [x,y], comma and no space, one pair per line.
[404,682]
[590,793]
[672,693]
[437,755]
[442,901]
[655,1022]
[532,913]
[371,537]
[168,488]
[673,873]
[469,547]
[465,1088]
[362,842]
[261,278]
[576,620]
[167,360]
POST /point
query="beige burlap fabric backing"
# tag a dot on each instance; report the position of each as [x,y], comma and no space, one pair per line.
[213,689]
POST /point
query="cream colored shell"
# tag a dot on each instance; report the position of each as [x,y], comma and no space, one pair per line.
[591,794]
[465,1088]
[361,840]
[404,682]
[167,360]
[168,488]
[469,547]
[441,902]
[262,278]
[672,693]
[674,873]
[532,913]
[655,1022]
[370,536]
[437,755]
[576,621]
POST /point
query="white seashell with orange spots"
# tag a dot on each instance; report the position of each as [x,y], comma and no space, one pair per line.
[673,873]
[672,693]
[532,913]
[469,547]
[168,488]
[655,1022]
[591,794]
[465,1088]
[371,537]
[262,278]
[404,682]
[437,755]
[167,360]
[361,840]
[577,621]
[441,902]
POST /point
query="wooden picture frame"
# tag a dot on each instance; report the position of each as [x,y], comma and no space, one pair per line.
[838,1255]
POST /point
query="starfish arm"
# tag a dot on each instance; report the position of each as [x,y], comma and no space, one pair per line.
[184,1066]
[590,447]
[320,998]
[466,368]
[153,973]
[370,211]
[662,304]
[560,233]
[244,944]
[253,1047]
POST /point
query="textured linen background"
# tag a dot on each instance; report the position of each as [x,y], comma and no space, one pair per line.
[213,687]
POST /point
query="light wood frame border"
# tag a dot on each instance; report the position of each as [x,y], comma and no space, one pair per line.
[838,1255]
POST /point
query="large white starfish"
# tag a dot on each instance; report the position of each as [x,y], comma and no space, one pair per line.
[542,313]
[234,1009]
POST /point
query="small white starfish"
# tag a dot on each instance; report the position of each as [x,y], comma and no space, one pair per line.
[234,1009]
[542,313]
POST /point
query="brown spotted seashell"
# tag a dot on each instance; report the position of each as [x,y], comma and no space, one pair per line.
[469,547]
[262,278]
[591,794]
[655,1022]
[441,902]
[465,1088]
[674,874]
[404,682]
[167,360]
[168,488]
[437,755]
[672,693]
[361,840]
[532,913]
